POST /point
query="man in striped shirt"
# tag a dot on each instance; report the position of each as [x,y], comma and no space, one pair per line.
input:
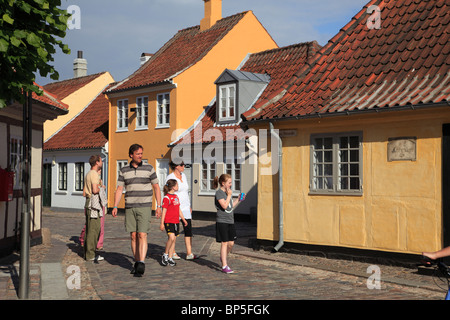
[140,181]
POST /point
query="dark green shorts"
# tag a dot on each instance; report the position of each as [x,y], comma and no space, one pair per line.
[138,219]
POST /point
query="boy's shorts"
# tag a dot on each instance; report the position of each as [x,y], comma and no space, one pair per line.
[138,219]
[172,228]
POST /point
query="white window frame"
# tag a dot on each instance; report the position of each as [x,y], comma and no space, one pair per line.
[336,168]
[227,104]
[234,169]
[79,176]
[122,115]
[62,176]
[142,113]
[208,168]
[15,159]
[163,110]
[119,165]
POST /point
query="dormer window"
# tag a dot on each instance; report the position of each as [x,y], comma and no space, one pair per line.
[227,102]
[236,92]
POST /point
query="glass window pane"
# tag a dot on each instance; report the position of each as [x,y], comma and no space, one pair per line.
[354,142]
[343,142]
[328,143]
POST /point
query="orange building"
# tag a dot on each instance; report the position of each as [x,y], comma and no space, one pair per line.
[168,92]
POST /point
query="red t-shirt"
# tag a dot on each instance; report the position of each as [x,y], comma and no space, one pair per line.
[172,204]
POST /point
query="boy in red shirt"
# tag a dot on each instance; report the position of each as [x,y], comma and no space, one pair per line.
[170,220]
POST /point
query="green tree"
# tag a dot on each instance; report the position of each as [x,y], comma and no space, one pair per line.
[29,32]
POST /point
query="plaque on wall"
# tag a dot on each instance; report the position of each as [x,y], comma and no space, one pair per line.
[402,149]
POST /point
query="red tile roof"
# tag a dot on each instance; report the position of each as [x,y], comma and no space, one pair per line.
[280,64]
[405,62]
[49,99]
[87,130]
[186,48]
[64,88]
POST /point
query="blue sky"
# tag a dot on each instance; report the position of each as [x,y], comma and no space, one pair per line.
[114,33]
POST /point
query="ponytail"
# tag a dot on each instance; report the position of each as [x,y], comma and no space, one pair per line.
[219,180]
[169,185]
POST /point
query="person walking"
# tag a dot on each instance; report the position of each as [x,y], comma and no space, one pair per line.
[177,167]
[140,182]
[225,228]
[93,213]
[170,220]
[102,220]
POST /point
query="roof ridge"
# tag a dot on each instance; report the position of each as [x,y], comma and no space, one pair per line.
[71,79]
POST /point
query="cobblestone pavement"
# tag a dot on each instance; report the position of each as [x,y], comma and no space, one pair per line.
[259,275]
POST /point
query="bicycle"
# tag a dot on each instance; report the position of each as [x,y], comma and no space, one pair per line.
[441,270]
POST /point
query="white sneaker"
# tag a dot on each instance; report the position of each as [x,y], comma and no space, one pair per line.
[97,258]
[175,256]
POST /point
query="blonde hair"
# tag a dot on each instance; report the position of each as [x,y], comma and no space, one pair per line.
[218,181]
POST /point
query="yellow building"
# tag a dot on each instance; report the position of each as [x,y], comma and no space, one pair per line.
[168,92]
[77,93]
[365,139]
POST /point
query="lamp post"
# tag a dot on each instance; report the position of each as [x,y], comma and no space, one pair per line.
[24,276]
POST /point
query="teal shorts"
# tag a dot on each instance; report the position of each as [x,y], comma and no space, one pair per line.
[138,219]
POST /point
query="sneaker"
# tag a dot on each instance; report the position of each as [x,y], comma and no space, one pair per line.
[175,256]
[171,262]
[227,270]
[165,259]
[191,257]
[97,258]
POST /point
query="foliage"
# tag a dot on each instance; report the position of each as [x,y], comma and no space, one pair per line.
[29,32]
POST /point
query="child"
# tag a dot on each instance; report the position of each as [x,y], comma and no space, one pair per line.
[225,229]
[170,220]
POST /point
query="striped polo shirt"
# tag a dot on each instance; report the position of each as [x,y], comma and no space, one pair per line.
[138,184]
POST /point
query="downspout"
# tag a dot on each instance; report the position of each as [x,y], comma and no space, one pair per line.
[275,135]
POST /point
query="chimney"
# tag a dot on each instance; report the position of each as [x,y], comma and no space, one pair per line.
[213,13]
[145,57]
[79,66]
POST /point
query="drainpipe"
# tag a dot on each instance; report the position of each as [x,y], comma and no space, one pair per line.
[275,135]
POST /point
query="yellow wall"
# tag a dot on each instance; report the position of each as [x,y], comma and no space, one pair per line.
[194,90]
[77,101]
[400,208]
[196,86]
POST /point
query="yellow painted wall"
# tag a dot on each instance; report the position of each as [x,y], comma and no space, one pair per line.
[194,90]
[153,140]
[196,86]
[400,208]
[77,101]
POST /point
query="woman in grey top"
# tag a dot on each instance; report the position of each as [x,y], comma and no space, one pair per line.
[225,230]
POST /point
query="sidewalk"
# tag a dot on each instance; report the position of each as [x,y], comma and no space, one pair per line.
[50,262]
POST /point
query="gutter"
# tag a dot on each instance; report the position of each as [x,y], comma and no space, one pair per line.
[280,189]
[351,112]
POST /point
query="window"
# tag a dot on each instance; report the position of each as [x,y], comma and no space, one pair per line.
[79,176]
[142,113]
[15,160]
[234,170]
[122,115]
[336,163]
[163,110]
[62,176]
[208,175]
[120,165]
[227,102]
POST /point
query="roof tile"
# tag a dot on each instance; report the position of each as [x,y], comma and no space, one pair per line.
[404,62]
